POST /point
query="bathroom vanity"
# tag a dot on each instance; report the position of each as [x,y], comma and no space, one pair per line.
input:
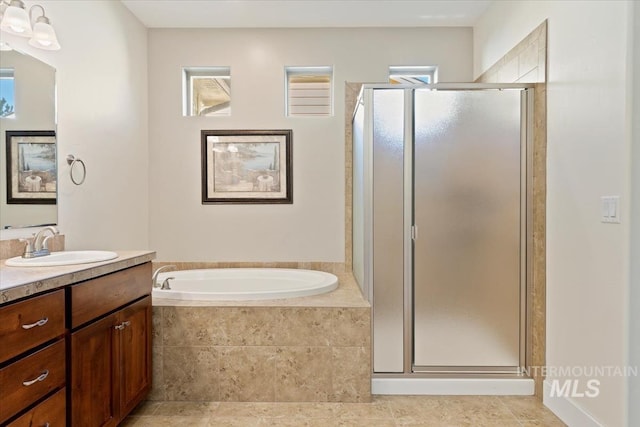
[76,342]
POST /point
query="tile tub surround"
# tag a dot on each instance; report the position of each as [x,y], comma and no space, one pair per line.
[431,411]
[308,349]
[336,268]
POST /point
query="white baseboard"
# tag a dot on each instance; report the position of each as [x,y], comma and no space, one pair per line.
[567,410]
[453,386]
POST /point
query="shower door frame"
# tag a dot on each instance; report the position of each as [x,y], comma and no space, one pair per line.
[526,226]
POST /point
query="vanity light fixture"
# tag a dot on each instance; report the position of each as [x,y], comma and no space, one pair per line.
[16,21]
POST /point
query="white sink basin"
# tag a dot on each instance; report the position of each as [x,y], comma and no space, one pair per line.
[62,258]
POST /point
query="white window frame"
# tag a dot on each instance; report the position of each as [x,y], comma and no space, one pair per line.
[321,71]
[189,74]
[413,74]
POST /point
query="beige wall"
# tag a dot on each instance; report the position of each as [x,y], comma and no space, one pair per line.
[588,157]
[102,118]
[312,229]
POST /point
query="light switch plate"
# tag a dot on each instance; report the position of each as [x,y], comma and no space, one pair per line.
[610,209]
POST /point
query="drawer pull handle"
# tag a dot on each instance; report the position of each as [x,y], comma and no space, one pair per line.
[42,377]
[40,322]
[122,325]
[46,425]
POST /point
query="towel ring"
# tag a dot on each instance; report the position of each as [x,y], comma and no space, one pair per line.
[72,161]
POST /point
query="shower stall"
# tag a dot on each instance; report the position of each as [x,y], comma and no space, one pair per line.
[441,227]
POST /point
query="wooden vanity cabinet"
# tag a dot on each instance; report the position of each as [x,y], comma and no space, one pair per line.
[110,346]
[78,356]
[32,359]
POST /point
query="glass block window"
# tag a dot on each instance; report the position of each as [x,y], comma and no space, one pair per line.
[206,91]
[422,74]
[309,91]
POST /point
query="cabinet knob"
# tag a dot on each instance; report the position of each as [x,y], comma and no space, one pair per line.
[40,322]
[41,377]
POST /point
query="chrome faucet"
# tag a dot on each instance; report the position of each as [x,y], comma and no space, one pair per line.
[165,283]
[37,245]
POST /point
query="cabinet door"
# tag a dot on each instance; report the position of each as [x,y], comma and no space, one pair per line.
[94,368]
[135,348]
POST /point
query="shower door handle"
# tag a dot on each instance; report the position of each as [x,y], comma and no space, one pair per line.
[414,232]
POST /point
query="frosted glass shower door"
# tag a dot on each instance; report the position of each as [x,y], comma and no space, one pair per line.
[467,210]
[387,217]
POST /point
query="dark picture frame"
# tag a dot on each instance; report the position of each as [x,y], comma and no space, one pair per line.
[247,166]
[32,177]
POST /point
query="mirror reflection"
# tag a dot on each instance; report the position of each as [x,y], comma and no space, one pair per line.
[28,175]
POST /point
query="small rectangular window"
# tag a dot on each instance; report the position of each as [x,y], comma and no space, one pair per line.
[421,74]
[309,91]
[206,91]
[7,93]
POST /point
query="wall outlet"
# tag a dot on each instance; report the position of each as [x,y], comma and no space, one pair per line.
[610,209]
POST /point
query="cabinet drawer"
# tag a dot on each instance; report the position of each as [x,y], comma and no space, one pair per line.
[27,380]
[29,323]
[99,296]
[51,412]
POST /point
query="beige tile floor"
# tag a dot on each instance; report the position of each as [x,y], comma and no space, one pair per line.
[427,411]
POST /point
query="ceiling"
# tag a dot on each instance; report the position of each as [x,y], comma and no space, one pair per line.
[305,13]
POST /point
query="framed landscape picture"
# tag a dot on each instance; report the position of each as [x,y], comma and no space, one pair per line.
[246,166]
[31,167]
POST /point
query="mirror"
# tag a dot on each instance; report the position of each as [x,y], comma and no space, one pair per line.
[28,165]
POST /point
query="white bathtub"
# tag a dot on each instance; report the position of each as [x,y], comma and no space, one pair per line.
[225,284]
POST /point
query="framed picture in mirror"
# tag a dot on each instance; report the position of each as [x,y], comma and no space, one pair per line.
[246,166]
[31,167]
